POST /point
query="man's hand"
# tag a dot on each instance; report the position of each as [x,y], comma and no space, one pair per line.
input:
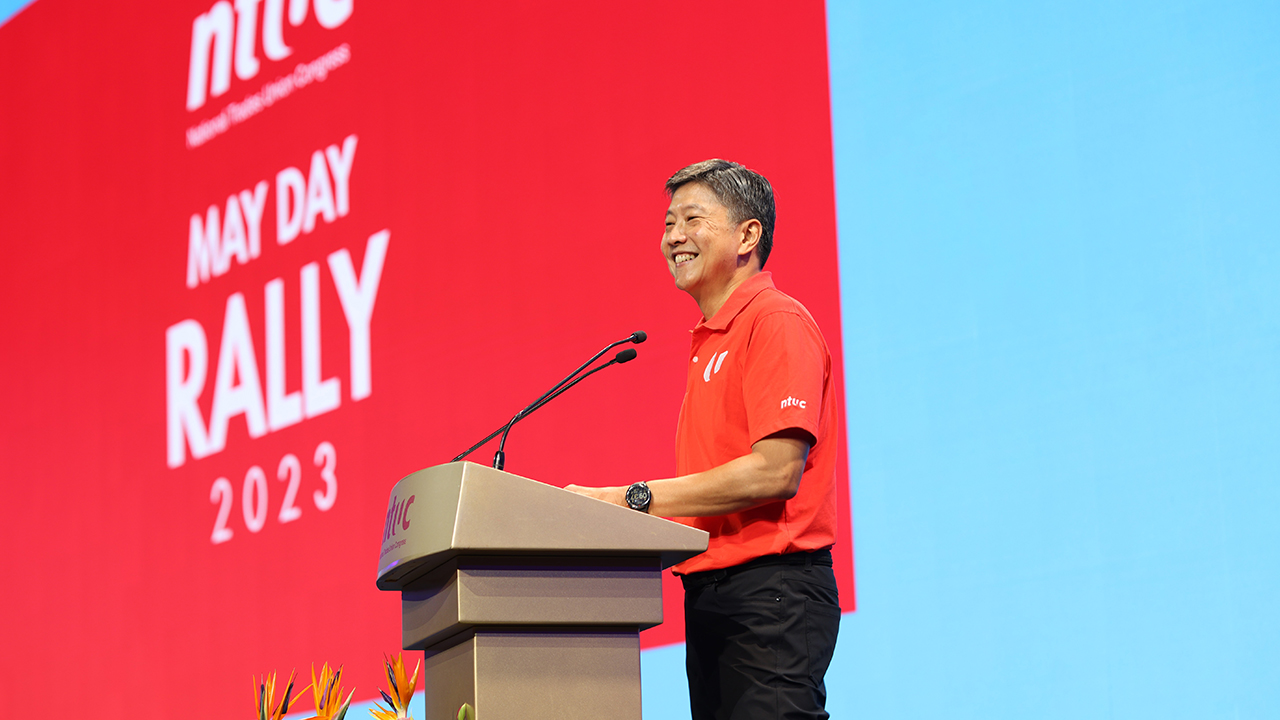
[615,495]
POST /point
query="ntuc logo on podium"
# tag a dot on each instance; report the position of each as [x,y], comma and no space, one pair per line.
[214,33]
[397,517]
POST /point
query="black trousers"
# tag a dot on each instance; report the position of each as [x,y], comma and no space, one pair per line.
[760,637]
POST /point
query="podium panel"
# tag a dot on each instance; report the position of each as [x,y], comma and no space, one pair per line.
[536,676]
[470,592]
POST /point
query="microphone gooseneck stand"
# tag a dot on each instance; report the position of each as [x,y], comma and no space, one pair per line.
[573,378]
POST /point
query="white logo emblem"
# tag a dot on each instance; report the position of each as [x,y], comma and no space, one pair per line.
[792,402]
[212,33]
[713,365]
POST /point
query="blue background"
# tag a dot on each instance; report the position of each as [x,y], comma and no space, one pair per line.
[1059,266]
[1059,269]
[8,8]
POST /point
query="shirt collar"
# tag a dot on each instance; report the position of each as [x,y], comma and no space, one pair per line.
[742,295]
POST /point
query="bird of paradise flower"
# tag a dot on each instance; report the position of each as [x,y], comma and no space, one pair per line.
[402,688]
[327,689]
[264,692]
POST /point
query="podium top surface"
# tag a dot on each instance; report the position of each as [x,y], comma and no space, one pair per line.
[461,508]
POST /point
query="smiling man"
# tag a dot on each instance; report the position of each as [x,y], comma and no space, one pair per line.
[755,460]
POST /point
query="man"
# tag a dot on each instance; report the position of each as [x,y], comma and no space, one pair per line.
[756,456]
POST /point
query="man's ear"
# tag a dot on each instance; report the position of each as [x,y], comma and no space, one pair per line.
[749,233]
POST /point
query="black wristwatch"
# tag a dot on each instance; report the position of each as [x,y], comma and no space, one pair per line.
[639,497]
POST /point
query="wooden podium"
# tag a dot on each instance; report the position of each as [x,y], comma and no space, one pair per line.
[527,599]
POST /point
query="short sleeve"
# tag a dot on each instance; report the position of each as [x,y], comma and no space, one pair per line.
[784,375]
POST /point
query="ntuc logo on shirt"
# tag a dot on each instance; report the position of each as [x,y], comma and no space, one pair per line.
[212,32]
[793,402]
[713,365]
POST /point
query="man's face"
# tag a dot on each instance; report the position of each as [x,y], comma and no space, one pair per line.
[701,242]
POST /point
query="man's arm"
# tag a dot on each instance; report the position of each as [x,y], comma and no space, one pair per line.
[770,472]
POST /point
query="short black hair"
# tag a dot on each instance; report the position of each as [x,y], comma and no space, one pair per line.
[746,194]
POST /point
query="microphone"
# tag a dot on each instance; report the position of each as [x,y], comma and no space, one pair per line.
[623,356]
[636,337]
[500,459]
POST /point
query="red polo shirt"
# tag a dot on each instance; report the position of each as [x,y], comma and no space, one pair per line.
[758,367]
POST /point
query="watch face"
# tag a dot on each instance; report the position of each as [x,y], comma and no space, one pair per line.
[638,496]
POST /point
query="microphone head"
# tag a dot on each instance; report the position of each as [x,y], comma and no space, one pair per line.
[625,355]
[638,337]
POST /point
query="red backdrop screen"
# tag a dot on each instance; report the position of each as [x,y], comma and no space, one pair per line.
[263,260]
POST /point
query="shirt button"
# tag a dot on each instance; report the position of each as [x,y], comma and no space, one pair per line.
[695,358]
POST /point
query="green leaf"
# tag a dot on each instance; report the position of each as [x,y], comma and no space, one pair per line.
[466,712]
[342,711]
